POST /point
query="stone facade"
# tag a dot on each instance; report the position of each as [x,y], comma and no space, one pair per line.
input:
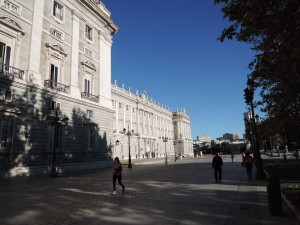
[55,64]
[155,131]
[56,95]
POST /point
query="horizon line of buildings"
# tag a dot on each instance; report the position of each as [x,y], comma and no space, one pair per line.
[233,138]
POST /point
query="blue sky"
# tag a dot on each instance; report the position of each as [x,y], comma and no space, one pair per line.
[169,48]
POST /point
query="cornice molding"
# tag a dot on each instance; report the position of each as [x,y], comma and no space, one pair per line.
[89,64]
[56,47]
[11,23]
[109,22]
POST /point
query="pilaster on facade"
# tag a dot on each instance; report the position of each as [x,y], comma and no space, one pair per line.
[74,88]
[33,74]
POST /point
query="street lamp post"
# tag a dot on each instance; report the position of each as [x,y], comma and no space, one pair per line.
[129,154]
[114,147]
[249,93]
[165,139]
[56,124]
[175,142]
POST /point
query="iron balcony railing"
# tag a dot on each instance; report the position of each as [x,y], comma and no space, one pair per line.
[90,97]
[56,86]
[11,71]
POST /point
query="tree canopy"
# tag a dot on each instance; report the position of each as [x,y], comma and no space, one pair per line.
[272,28]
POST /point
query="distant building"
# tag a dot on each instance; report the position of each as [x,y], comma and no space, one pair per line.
[231,137]
[204,138]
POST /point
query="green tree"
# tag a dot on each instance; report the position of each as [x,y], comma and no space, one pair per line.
[272,28]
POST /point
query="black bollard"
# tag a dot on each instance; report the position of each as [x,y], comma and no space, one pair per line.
[274,196]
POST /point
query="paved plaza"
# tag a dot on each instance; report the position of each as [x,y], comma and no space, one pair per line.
[178,193]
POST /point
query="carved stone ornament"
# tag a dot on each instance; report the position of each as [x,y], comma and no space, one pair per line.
[8,22]
[89,64]
[56,47]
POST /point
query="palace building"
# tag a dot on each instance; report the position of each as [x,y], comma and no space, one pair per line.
[155,131]
[59,110]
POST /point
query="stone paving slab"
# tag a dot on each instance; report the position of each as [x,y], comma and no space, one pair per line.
[182,193]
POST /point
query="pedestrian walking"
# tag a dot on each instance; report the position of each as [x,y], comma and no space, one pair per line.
[232,156]
[117,174]
[248,162]
[217,164]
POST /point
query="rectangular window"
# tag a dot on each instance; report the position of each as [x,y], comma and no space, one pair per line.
[58,11]
[6,128]
[127,108]
[4,134]
[87,86]
[5,55]
[88,32]
[91,138]
[54,74]
[120,105]
[55,105]
[5,95]
[89,114]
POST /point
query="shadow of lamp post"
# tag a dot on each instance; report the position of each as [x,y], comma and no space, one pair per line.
[56,123]
[249,93]
[165,139]
[129,133]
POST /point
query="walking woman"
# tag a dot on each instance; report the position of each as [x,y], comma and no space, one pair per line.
[117,174]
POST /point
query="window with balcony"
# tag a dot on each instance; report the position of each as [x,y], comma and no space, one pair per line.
[87,85]
[54,74]
[55,69]
[58,11]
[5,54]
[11,34]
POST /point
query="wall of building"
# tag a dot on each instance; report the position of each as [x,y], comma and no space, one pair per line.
[58,108]
[34,104]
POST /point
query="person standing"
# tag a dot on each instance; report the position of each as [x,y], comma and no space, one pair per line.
[248,162]
[217,164]
[232,156]
[117,174]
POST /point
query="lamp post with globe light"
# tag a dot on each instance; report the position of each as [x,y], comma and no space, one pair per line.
[129,133]
[56,124]
[165,139]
